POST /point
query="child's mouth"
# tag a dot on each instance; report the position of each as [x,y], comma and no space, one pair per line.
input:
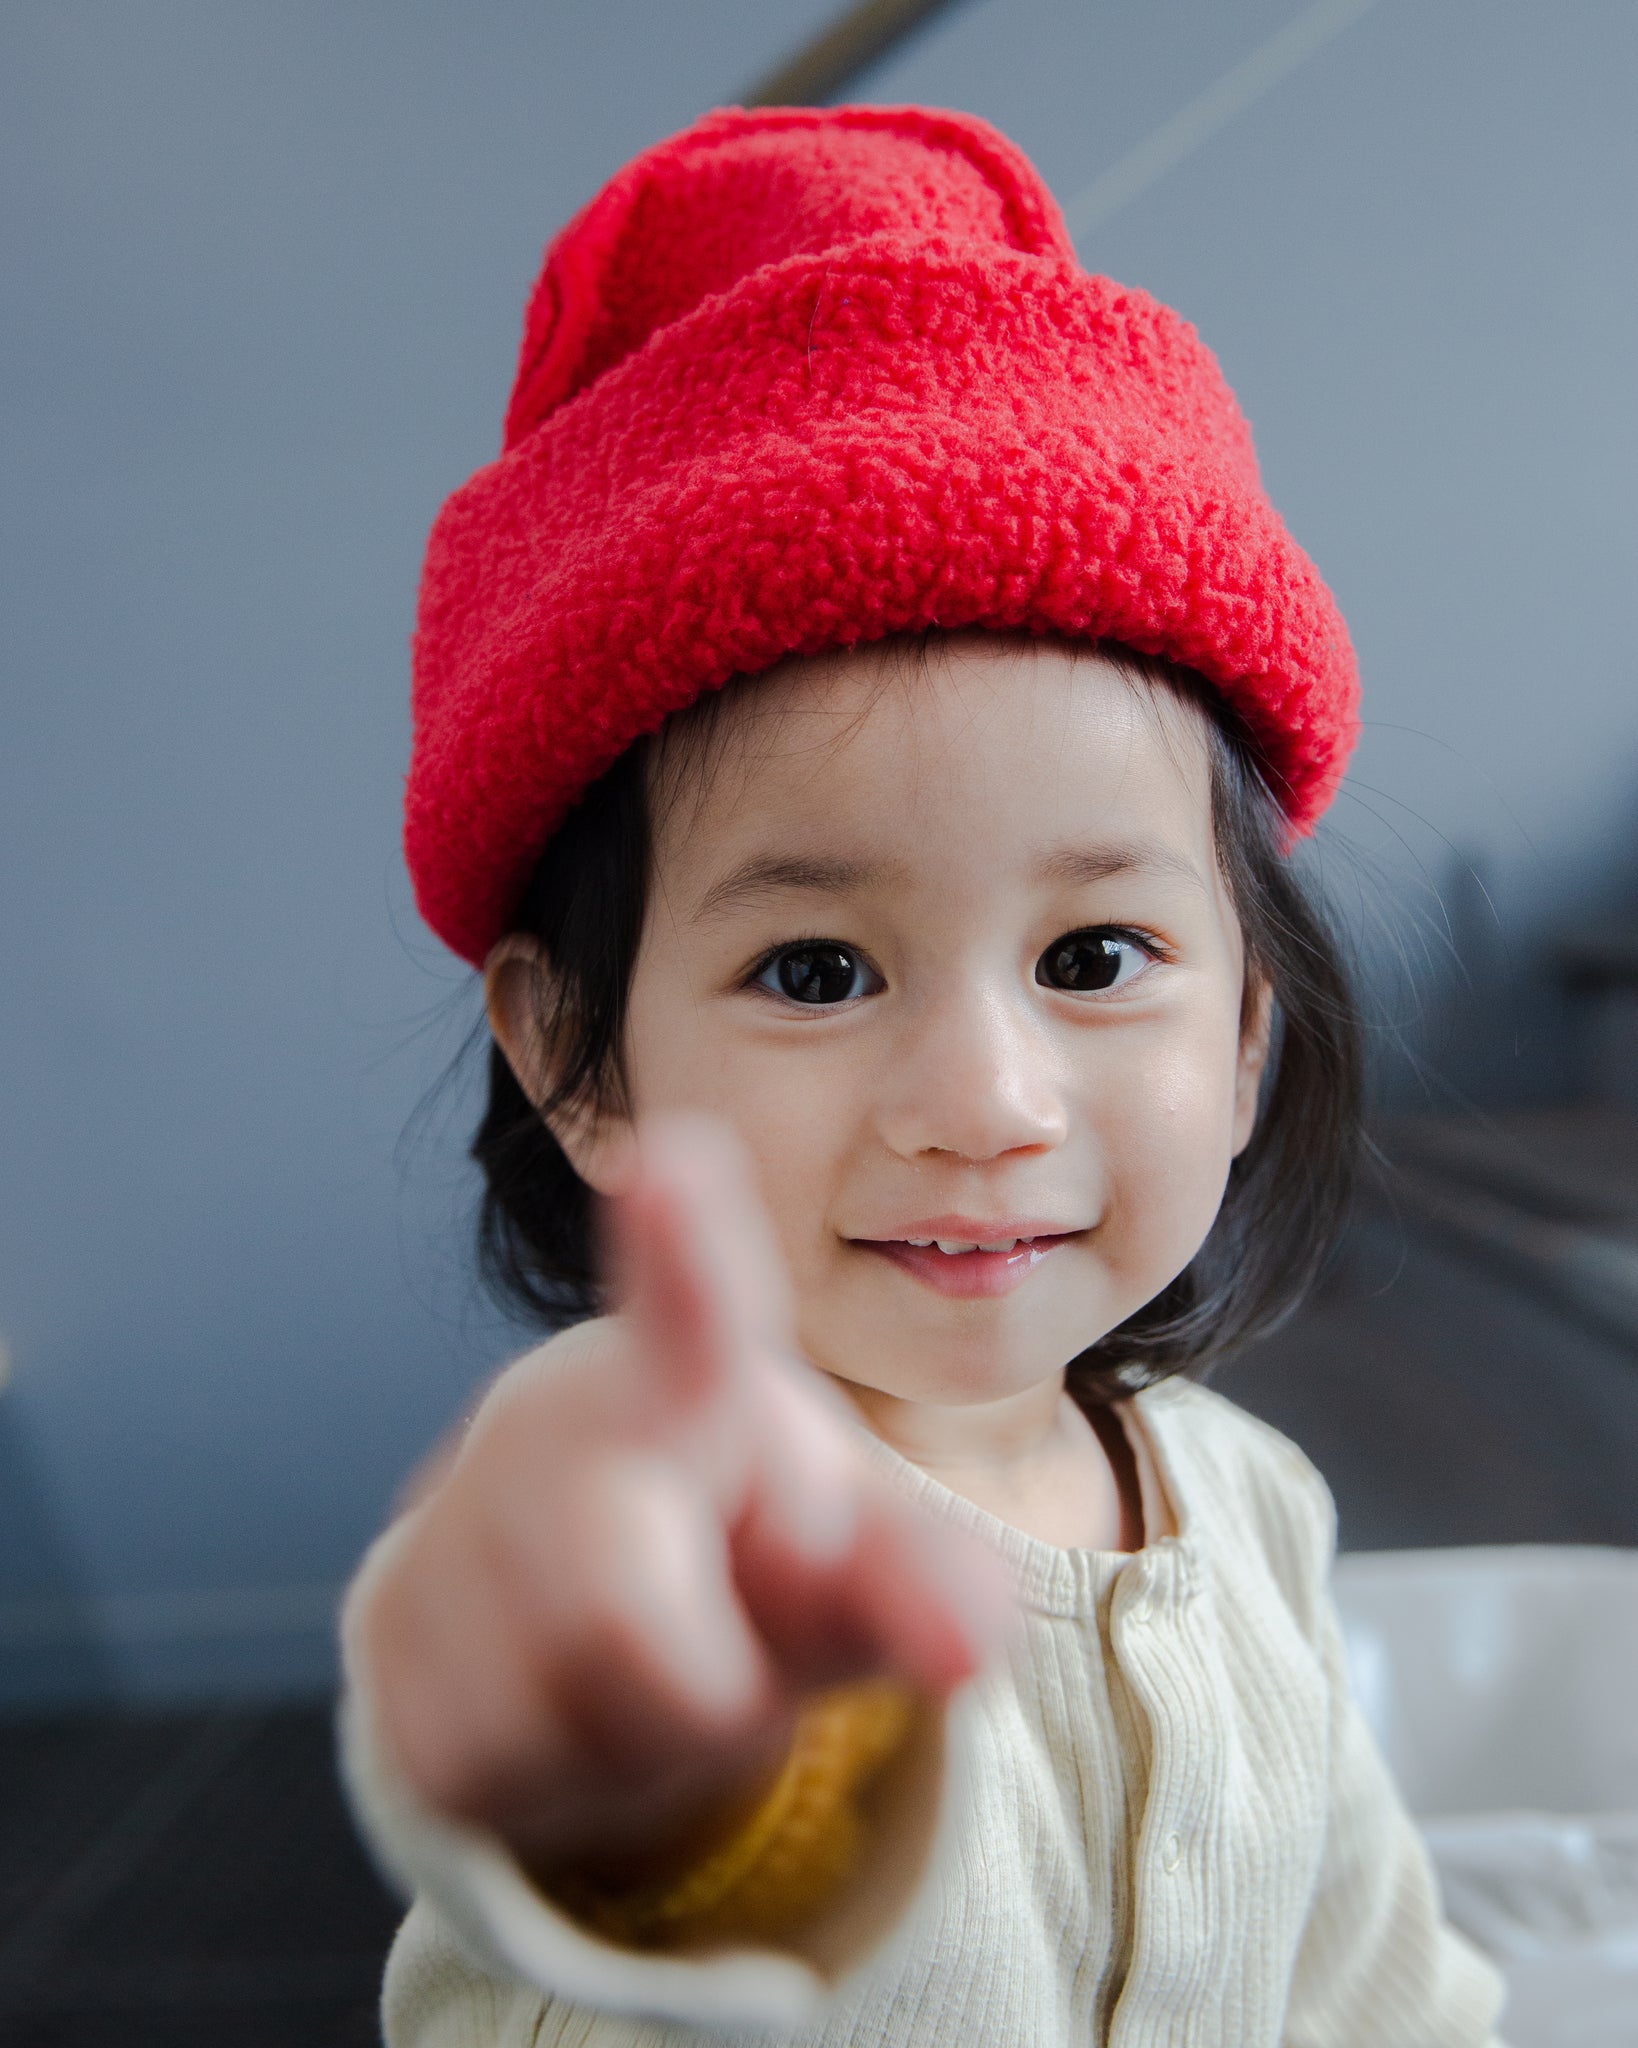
[969,1267]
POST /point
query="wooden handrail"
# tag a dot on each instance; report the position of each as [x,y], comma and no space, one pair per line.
[839,53]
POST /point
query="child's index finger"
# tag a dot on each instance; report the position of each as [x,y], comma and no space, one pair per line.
[695,1260]
[707,1166]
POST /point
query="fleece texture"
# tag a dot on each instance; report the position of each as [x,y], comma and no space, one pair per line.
[803,378]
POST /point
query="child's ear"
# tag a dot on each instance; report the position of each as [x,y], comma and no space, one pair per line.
[1256,1029]
[516,980]
[513,978]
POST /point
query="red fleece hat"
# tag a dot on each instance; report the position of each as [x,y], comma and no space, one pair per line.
[801,378]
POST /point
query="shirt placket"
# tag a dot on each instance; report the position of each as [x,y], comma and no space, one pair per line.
[1167,1998]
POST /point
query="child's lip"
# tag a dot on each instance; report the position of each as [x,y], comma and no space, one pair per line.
[971,1230]
[973,1274]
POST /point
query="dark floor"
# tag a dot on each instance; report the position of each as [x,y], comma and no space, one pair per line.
[193,1879]
[178,1881]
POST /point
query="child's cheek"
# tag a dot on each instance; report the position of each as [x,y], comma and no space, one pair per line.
[793,1136]
[789,1112]
[1167,1145]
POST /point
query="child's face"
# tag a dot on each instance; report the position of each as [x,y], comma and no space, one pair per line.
[950,949]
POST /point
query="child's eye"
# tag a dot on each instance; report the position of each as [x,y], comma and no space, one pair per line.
[817,971]
[1088,963]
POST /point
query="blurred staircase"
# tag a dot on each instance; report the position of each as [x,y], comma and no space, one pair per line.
[1547,1197]
[1468,1370]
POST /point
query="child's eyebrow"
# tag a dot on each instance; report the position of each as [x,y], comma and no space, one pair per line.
[772,875]
[1097,863]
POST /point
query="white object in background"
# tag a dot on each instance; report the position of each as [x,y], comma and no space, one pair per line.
[1502,1685]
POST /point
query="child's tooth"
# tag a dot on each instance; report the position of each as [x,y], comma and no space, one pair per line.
[921,1243]
[952,1244]
[1005,1245]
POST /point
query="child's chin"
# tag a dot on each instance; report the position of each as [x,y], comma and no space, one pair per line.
[936,1367]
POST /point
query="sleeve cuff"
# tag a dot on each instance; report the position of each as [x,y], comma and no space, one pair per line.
[511,1929]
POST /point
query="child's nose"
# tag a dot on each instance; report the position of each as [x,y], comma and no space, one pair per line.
[973,1076]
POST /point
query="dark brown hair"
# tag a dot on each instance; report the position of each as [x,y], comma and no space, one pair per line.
[1288,1191]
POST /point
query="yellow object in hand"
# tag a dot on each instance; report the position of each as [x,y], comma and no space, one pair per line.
[789,1858]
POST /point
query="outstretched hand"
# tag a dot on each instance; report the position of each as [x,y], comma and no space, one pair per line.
[596,1626]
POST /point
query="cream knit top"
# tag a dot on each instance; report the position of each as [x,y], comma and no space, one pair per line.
[1160,1823]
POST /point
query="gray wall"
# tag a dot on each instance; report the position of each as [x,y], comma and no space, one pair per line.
[264,267]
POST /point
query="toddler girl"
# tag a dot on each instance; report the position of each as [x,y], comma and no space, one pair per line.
[860,722]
